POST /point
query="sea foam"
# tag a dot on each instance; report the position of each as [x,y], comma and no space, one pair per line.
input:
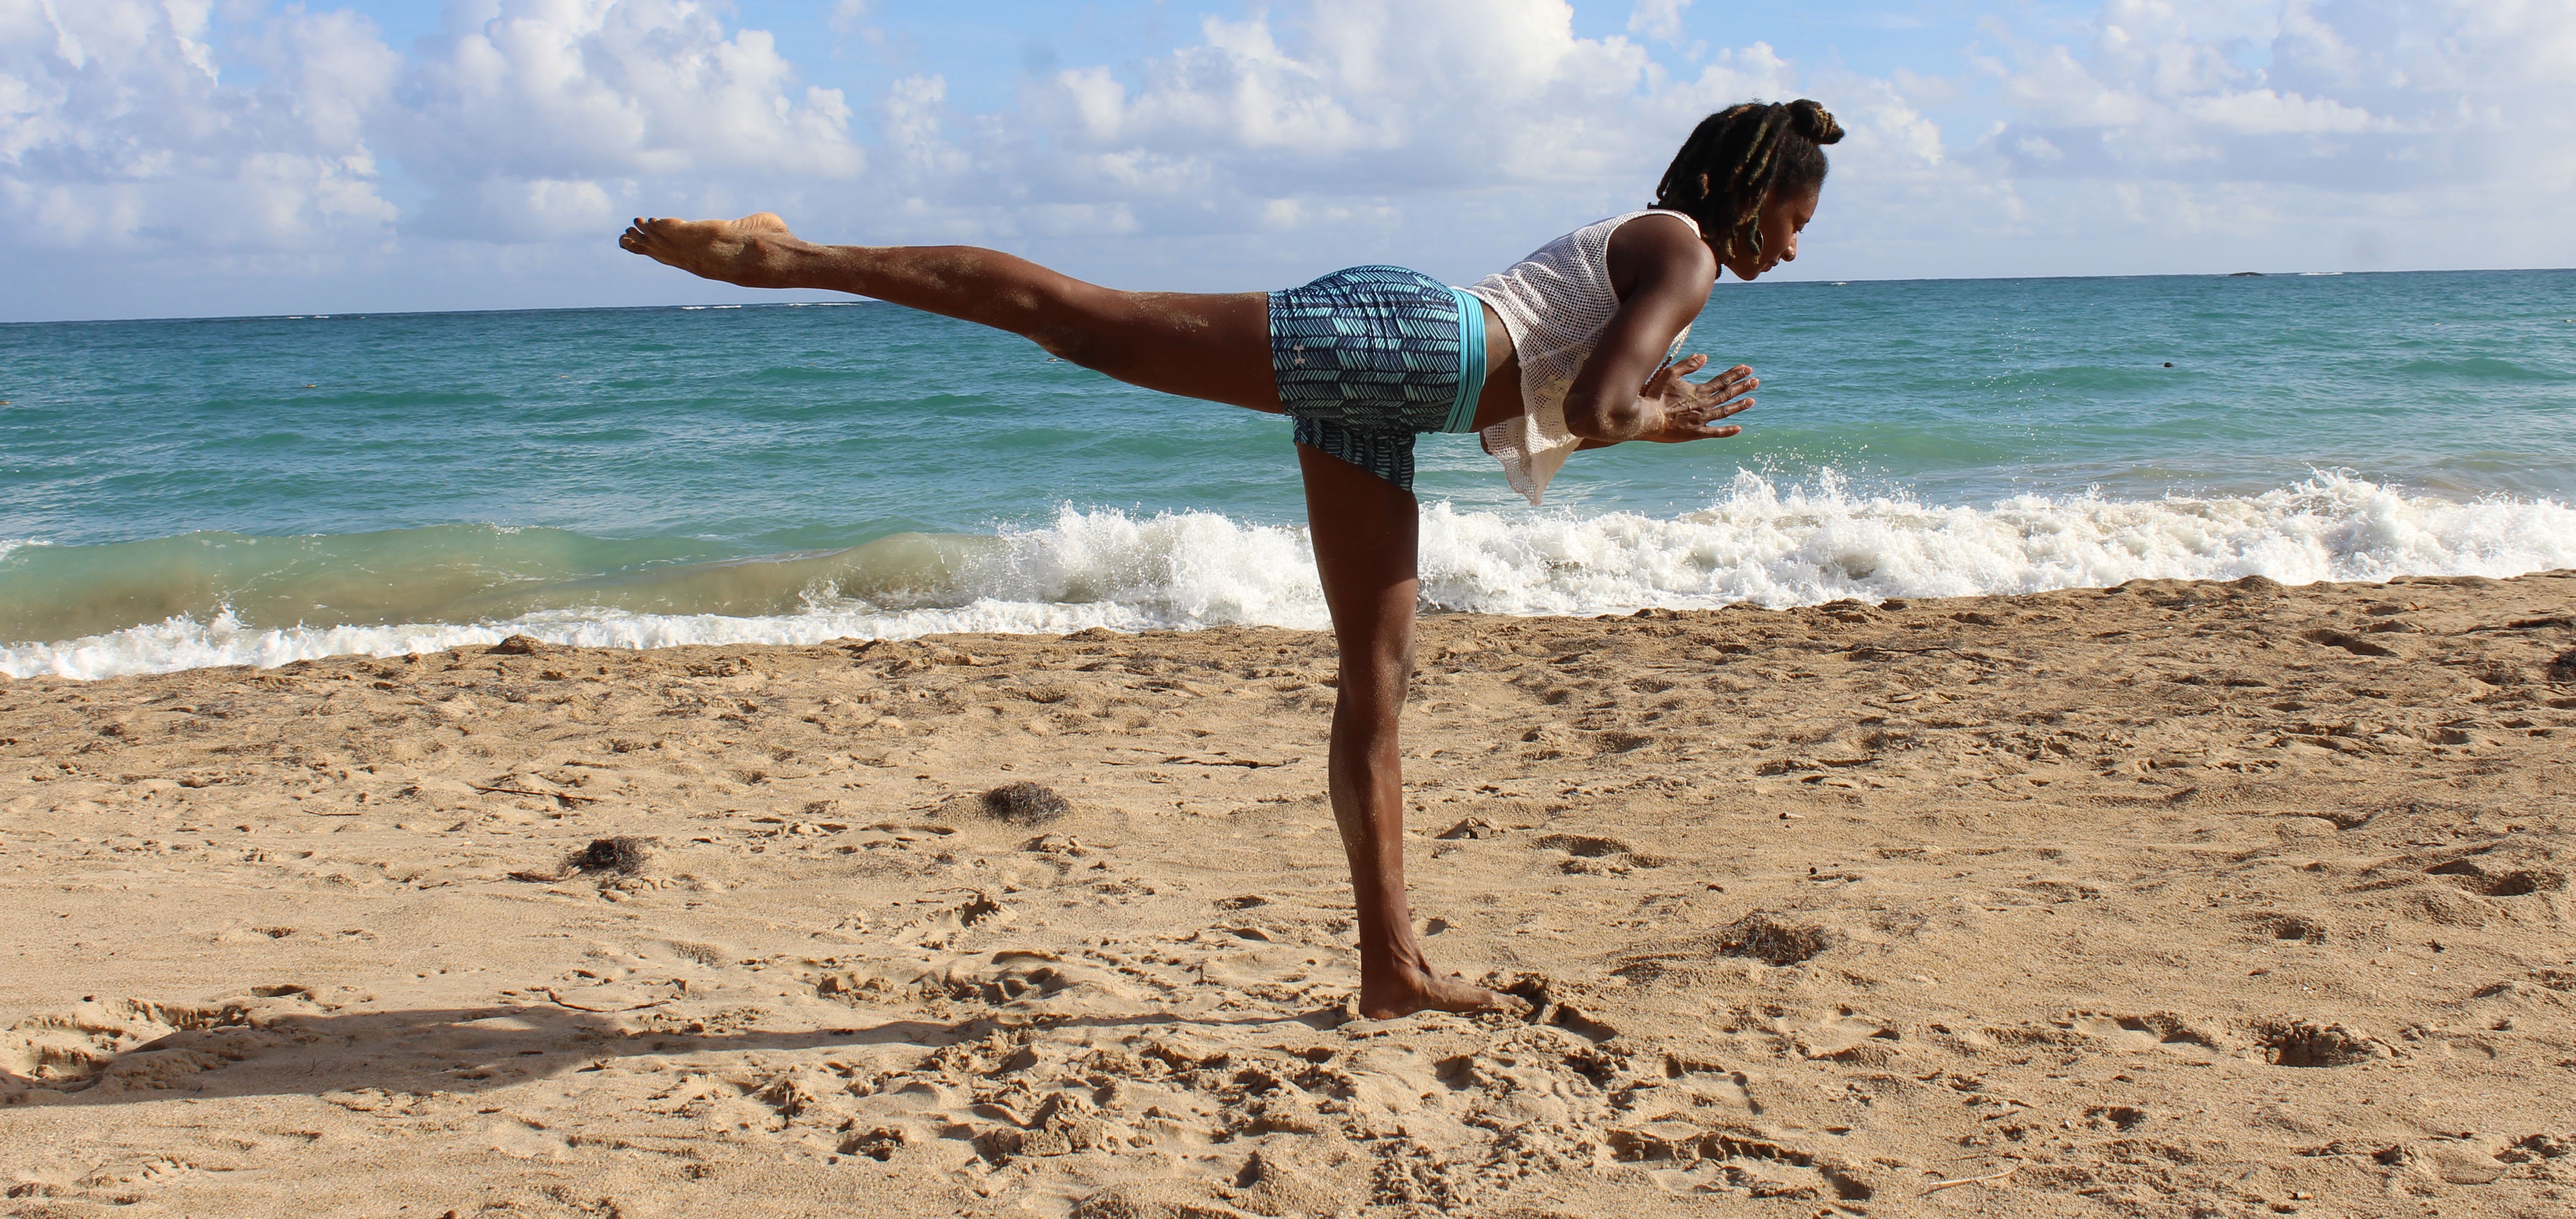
[1761,543]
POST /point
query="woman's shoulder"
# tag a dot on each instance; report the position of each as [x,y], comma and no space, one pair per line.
[1664,219]
[1657,230]
[1586,244]
[1660,251]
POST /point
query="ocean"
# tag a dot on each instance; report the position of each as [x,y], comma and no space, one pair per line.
[176,494]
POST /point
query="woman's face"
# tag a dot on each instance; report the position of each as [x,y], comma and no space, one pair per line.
[1780,222]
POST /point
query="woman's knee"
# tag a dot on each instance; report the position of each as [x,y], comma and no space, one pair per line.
[1366,721]
[1378,678]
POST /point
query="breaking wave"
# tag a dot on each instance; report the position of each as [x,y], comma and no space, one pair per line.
[216,599]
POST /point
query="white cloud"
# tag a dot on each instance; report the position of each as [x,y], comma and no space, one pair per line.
[2265,112]
[500,119]
[1274,139]
[1885,132]
[2343,92]
[1262,125]
[2204,135]
[1412,131]
[1660,20]
[117,131]
[150,127]
[1367,96]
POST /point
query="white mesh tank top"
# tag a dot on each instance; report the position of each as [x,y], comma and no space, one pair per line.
[1555,303]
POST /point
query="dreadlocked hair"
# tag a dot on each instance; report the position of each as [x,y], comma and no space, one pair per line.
[1739,157]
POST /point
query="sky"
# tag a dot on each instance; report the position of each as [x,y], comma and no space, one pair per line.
[163,158]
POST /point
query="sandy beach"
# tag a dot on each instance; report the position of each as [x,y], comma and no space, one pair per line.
[2171,899]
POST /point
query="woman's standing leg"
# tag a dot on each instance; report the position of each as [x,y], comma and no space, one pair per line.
[1366,531]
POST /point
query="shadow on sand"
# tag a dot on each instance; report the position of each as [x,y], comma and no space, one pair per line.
[232,1052]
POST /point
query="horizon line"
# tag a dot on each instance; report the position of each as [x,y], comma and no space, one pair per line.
[870,300]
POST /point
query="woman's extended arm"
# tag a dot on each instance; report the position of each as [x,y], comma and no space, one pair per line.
[1662,273]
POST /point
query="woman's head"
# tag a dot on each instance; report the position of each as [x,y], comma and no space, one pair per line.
[1750,175]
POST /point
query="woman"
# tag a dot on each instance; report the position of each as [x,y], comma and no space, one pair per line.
[1543,359]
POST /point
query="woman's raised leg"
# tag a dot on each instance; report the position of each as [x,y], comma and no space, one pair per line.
[1366,532]
[1197,345]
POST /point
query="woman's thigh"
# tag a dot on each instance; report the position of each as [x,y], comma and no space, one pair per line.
[1214,346]
[1367,536]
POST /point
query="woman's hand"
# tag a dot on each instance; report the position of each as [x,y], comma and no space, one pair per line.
[1691,412]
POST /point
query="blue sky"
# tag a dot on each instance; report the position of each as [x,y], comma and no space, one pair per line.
[212,157]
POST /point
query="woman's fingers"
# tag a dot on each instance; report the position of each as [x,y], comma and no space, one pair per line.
[1699,423]
[1733,381]
[1692,409]
[1715,413]
[1725,394]
[1669,378]
[1704,423]
[1719,408]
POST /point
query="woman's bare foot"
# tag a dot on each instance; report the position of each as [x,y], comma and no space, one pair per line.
[1417,989]
[751,251]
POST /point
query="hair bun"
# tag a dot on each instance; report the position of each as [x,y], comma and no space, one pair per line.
[1809,118]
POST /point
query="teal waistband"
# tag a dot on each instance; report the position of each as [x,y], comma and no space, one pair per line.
[1471,362]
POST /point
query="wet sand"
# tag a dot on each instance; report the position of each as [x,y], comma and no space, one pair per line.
[2174,899]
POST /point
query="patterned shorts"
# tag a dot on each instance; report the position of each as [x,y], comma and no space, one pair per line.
[1368,358]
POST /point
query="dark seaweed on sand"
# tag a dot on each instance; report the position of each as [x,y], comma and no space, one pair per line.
[1025,804]
[1761,937]
[622,855]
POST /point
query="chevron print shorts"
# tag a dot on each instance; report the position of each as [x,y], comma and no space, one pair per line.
[1368,358]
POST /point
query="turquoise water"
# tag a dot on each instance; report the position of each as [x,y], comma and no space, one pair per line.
[255,490]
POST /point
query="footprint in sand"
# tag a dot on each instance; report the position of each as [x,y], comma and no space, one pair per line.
[1702,1087]
[1592,855]
[2498,882]
[2298,929]
[1845,1036]
[2146,1034]
[1584,846]
[1029,980]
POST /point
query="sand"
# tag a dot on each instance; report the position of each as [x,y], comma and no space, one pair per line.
[2173,899]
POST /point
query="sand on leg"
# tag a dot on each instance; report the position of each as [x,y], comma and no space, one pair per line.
[1214,346]
[1367,532]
